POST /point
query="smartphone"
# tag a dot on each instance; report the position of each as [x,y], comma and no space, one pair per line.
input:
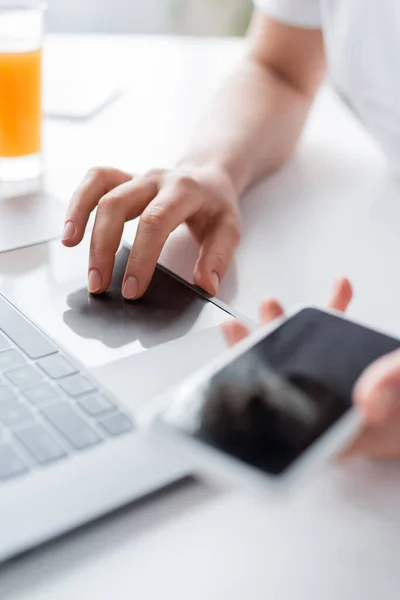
[278,403]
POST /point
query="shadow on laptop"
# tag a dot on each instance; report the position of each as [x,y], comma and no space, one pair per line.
[168,311]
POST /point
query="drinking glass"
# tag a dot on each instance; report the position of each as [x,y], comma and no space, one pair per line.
[21,41]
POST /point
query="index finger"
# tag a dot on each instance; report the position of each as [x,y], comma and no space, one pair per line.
[95,185]
[164,214]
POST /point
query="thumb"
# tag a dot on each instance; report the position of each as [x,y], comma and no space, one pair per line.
[216,255]
[377,392]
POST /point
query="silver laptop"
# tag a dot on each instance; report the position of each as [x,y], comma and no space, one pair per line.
[70,451]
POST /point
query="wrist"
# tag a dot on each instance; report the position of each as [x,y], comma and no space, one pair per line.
[216,167]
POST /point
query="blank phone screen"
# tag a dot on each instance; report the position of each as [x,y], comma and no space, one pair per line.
[272,403]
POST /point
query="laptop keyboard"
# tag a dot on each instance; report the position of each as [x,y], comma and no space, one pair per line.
[49,408]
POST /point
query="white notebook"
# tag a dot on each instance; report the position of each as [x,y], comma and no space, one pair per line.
[77,85]
[78,98]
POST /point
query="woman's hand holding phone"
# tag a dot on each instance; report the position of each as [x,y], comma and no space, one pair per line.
[377,392]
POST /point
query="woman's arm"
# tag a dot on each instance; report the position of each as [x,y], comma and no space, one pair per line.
[253,124]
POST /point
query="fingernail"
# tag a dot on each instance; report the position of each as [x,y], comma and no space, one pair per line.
[130,289]
[69,230]
[215,281]
[95,281]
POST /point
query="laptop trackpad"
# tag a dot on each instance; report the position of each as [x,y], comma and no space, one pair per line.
[52,290]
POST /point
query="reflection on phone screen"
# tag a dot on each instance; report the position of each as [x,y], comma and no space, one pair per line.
[263,421]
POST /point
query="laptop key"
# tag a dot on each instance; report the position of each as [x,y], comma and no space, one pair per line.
[71,425]
[42,393]
[4,342]
[11,359]
[41,444]
[12,415]
[76,385]
[22,332]
[11,465]
[25,377]
[6,394]
[96,404]
[117,424]
[56,366]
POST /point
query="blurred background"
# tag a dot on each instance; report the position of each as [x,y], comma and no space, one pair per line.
[186,17]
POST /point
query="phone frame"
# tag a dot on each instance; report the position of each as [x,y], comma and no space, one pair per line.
[212,462]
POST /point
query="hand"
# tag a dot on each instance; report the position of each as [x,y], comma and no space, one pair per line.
[376,394]
[203,197]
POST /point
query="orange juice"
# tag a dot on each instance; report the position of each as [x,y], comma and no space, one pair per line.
[20,103]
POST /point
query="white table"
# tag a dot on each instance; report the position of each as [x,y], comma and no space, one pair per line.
[338,536]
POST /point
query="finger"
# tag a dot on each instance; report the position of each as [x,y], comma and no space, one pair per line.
[216,255]
[270,310]
[377,392]
[95,185]
[341,296]
[377,442]
[171,207]
[234,332]
[122,204]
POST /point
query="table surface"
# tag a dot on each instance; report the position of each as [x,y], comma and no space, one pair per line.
[333,209]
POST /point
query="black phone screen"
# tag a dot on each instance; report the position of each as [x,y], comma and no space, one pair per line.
[273,402]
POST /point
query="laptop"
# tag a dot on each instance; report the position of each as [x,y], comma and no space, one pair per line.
[70,449]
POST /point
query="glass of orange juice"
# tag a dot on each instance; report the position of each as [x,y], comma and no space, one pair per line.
[21,40]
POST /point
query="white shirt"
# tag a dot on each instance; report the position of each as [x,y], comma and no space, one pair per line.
[362,40]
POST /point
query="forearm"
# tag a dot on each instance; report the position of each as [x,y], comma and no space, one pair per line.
[252,126]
